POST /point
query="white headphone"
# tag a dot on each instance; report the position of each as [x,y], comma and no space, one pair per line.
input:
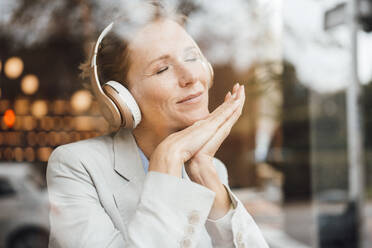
[116,103]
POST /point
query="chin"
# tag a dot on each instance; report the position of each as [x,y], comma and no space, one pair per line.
[192,118]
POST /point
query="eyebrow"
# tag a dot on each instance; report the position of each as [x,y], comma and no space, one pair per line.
[166,56]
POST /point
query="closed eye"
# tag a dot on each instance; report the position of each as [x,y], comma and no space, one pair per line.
[162,70]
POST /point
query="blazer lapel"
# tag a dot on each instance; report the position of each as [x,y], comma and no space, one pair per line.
[127,161]
[127,164]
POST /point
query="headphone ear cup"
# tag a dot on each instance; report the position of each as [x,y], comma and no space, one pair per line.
[109,111]
[107,107]
[125,103]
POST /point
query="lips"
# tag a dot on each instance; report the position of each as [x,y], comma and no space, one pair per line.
[190,97]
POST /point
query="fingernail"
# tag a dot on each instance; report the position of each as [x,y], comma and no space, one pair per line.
[228,95]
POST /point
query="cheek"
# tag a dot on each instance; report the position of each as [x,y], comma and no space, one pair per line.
[152,96]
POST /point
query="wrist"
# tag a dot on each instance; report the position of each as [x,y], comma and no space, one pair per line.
[221,205]
[165,163]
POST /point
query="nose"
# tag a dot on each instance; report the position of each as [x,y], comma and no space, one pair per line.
[186,77]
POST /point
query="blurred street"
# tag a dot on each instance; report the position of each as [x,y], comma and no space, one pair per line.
[287,226]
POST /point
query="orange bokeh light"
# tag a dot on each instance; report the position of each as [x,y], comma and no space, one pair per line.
[9,118]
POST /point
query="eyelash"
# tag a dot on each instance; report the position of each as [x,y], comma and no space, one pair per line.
[162,70]
[166,68]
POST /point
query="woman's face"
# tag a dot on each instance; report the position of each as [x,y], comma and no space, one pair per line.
[167,76]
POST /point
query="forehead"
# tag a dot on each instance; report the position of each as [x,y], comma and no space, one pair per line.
[159,38]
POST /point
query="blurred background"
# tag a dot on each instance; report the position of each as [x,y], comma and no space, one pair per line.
[299,157]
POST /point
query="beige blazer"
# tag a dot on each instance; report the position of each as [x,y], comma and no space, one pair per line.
[100,196]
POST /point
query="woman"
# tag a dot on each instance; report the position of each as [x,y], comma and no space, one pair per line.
[158,185]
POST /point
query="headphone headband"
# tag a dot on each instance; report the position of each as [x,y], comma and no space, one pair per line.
[117,104]
[99,40]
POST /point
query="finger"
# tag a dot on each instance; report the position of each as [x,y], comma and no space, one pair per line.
[204,129]
[222,113]
[227,97]
[193,172]
[193,138]
[241,94]
[215,142]
[235,88]
[216,118]
[228,103]
[226,127]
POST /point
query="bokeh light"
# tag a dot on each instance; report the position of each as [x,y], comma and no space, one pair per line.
[29,154]
[94,109]
[18,123]
[42,138]
[18,154]
[60,107]
[84,123]
[8,153]
[31,138]
[13,138]
[68,123]
[29,84]
[4,104]
[43,153]
[4,126]
[9,118]
[75,136]
[81,101]
[13,67]
[47,123]
[29,123]
[21,106]
[39,108]
[58,123]
[101,124]
[65,137]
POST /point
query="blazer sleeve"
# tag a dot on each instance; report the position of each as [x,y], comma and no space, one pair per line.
[237,228]
[171,211]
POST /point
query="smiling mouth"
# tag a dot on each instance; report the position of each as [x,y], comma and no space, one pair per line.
[191,98]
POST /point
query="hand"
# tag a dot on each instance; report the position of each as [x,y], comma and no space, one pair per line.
[179,147]
[211,147]
[200,167]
